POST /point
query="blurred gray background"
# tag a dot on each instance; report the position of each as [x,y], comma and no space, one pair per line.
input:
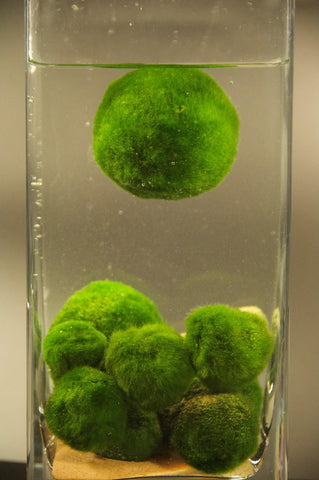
[304,253]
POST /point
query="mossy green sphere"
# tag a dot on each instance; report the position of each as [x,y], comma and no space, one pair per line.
[151,364]
[165,132]
[141,440]
[87,410]
[168,416]
[73,344]
[251,394]
[216,433]
[229,347]
[109,306]
[254,396]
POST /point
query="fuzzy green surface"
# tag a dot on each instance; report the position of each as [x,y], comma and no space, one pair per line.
[73,344]
[229,347]
[151,364]
[254,395]
[168,416]
[251,394]
[109,306]
[165,133]
[216,433]
[141,440]
[87,410]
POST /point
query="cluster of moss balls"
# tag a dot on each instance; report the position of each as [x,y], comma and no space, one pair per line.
[165,132]
[126,385]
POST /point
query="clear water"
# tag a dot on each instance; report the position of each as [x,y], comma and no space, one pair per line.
[225,246]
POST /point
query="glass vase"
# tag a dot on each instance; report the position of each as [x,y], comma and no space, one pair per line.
[158,180]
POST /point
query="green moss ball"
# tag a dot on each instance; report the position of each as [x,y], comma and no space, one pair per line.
[251,394]
[109,306]
[73,344]
[254,395]
[87,410]
[151,364]
[166,133]
[216,433]
[168,416]
[142,438]
[229,347]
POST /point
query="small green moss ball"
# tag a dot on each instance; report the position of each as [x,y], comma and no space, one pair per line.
[251,394]
[142,438]
[73,344]
[229,347]
[109,306]
[166,133]
[254,396]
[168,416]
[87,410]
[151,364]
[216,433]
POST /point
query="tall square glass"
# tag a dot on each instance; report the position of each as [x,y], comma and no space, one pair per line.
[211,245]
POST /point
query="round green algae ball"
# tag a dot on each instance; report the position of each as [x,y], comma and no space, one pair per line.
[151,364]
[168,416]
[252,394]
[109,306]
[87,410]
[216,433]
[73,344]
[142,438]
[165,132]
[229,347]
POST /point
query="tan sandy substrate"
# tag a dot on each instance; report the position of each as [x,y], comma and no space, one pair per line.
[70,464]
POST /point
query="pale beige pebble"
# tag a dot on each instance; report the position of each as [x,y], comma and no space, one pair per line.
[70,464]
[255,310]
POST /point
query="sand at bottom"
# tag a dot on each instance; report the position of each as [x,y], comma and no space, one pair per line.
[70,464]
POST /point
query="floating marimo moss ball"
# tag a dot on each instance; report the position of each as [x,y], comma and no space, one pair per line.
[167,133]
[141,440]
[229,347]
[87,410]
[151,364]
[216,433]
[109,306]
[73,344]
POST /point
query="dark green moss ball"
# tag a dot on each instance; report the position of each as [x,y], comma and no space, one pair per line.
[73,344]
[151,364]
[141,440]
[168,416]
[87,410]
[216,433]
[251,395]
[229,347]
[109,306]
[165,133]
